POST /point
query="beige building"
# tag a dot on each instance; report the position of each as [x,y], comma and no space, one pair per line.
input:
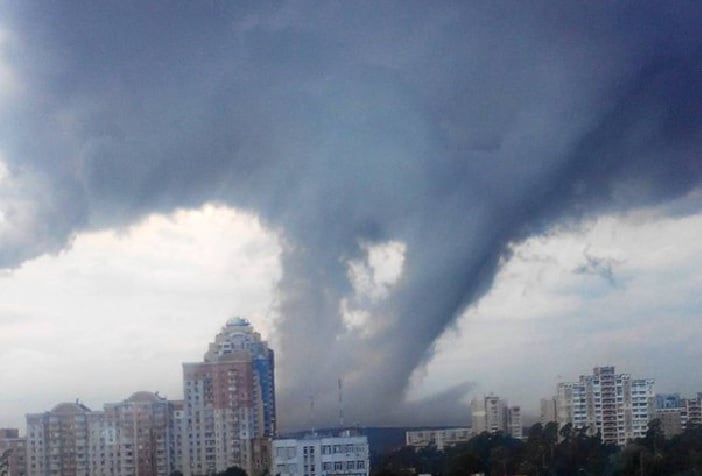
[138,436]
[13,452]
[58,441]
[229,404]
[549,412]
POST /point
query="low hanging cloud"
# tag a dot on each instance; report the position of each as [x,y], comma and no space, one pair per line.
[454,129]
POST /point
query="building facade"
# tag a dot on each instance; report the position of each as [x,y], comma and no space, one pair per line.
[514,422]
[343,455]
[58,441]
[615,406]
[13,452]
[677,413]
[438,439]
[229,404]
[549,411]
[492,414]
[137,436]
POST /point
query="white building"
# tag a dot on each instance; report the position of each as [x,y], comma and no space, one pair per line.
[439,439]
[549,410]
[514,422]
[316,455]
[492,414]
[616,406]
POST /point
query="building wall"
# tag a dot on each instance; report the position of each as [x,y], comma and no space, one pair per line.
[133,437]
[671,421]
[57,441]
[549,410]
[318,456]
[613,405]
[492,414]
[229,404]
[514,423]
[439,439]
[13,452]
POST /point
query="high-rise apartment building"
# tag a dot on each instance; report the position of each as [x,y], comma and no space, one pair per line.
[145,436]
[492,414]
[13,452]
[58,441]
[615,406]
[549,412]
[137,436]
[229,404]
[514,422]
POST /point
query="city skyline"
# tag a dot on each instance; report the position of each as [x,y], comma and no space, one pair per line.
[430,201]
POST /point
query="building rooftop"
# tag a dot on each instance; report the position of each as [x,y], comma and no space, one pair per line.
[71,408]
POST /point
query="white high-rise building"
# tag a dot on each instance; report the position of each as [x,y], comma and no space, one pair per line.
[514,422]
[616,406]
[492,414]
[315,455]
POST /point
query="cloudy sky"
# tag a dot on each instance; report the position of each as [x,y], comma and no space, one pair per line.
[430,200]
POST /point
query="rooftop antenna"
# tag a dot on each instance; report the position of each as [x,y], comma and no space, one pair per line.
[341,404]
[312,412]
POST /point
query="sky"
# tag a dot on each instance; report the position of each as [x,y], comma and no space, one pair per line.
[432,201]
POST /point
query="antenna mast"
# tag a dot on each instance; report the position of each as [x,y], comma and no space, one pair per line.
[341,403]
[312,412]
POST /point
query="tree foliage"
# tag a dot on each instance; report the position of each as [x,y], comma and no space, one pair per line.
[232,471]
[546,451]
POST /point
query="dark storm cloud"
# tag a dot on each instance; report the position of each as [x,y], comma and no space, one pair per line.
[456,128]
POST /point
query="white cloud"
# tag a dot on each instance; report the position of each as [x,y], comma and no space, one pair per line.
[372,278]
[122,309]
[544,318]
[380,269]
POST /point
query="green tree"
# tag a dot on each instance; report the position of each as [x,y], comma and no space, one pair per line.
[232,471]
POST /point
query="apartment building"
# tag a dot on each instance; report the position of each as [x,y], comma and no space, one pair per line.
[314,455]
[549,410]
[137,436]
[13,452]
[514,422]
[437,438]
[492,414]
[229,404]
[677,413]
[616,406]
